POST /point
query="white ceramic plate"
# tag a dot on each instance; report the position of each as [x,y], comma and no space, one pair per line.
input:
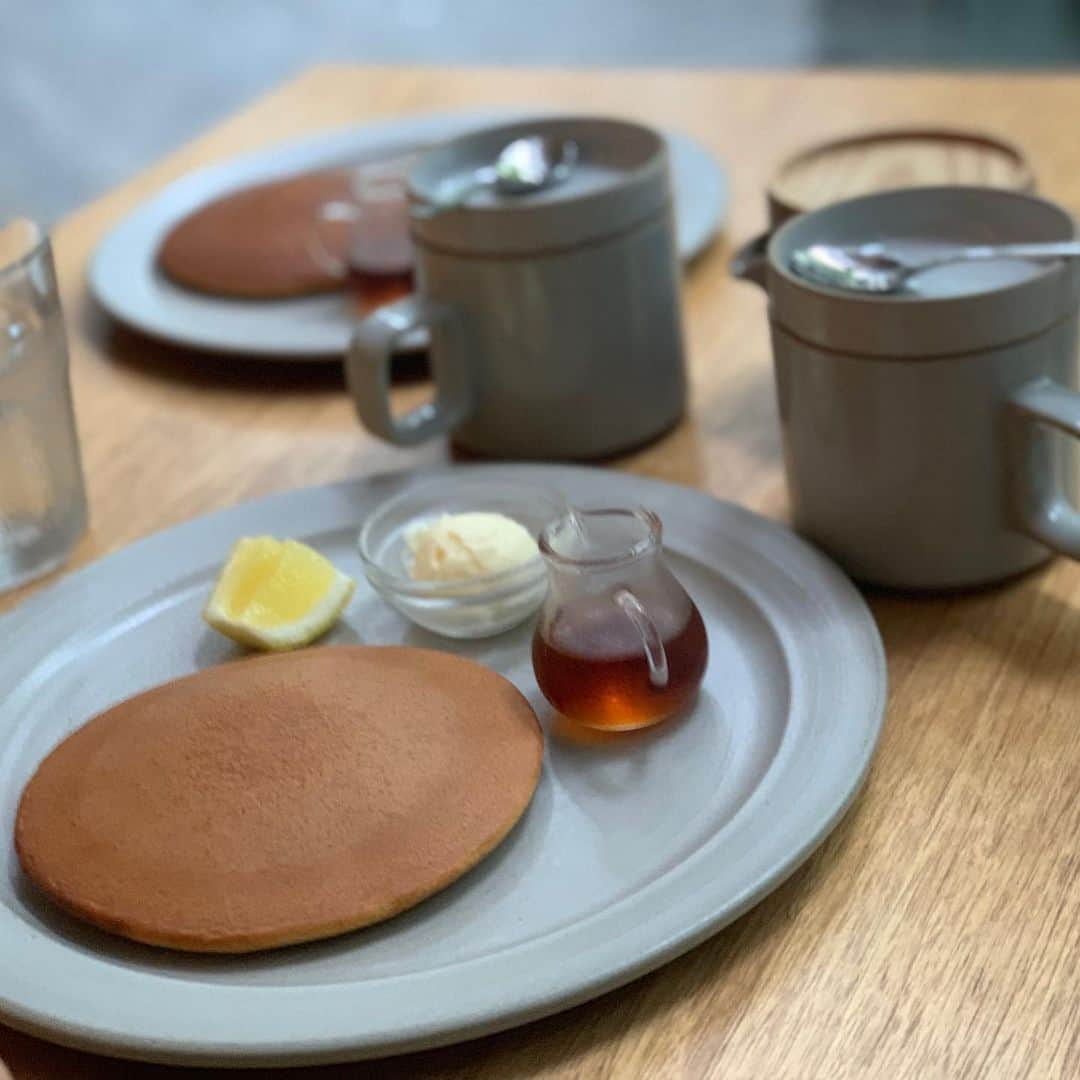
[630,853]
[125,280]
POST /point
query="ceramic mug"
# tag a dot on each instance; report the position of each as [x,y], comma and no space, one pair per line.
[554,318]
[922,430]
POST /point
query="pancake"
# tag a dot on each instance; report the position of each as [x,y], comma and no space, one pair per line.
[280,799]
[256,243]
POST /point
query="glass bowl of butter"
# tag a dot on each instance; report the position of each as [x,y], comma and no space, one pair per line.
[459,556]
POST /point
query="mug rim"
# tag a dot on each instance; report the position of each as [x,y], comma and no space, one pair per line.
[901,299]
[913,326]
[565,217]
[432,156]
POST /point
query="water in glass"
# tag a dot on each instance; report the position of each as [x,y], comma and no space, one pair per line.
[42,500]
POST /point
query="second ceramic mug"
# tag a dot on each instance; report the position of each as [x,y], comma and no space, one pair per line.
[554,318]
[922,430]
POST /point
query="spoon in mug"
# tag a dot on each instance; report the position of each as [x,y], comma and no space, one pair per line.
[872,268]
[524,166]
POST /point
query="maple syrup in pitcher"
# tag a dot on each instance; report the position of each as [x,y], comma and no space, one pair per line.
[620,644]
[373,288]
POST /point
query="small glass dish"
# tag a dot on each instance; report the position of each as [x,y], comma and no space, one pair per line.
[471,608]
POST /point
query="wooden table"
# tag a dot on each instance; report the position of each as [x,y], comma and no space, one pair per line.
[937,932]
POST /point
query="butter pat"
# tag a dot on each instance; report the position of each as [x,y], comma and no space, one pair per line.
[459,547]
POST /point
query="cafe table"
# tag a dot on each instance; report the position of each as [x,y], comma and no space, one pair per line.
[936,932]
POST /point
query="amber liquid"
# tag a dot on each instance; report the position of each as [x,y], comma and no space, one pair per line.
[590,664]
[372,290]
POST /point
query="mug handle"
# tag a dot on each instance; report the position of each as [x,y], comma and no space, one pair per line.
[1038,502]
[368,362]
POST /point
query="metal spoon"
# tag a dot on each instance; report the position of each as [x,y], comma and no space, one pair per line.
[872,268]
[526,165]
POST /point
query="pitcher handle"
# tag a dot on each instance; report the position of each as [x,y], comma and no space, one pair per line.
[335,212]
[651,641]
[1039,504]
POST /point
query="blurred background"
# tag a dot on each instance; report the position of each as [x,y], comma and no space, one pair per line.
[92,90]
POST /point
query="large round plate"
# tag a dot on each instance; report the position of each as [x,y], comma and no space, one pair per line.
[125,280]
[631,852]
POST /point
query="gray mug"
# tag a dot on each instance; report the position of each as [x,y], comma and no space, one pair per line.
[554,318]
[921,430]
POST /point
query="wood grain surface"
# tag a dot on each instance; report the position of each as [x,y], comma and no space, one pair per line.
[937,931]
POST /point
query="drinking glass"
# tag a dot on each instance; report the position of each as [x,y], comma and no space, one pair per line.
[42,496]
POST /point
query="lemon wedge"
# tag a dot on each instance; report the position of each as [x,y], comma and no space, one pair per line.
[277,594]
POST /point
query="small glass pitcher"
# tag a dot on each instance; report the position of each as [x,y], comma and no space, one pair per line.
[619,644]
[364,239]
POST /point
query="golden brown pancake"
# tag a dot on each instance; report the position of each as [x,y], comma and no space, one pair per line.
[256,243]
[280,799]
